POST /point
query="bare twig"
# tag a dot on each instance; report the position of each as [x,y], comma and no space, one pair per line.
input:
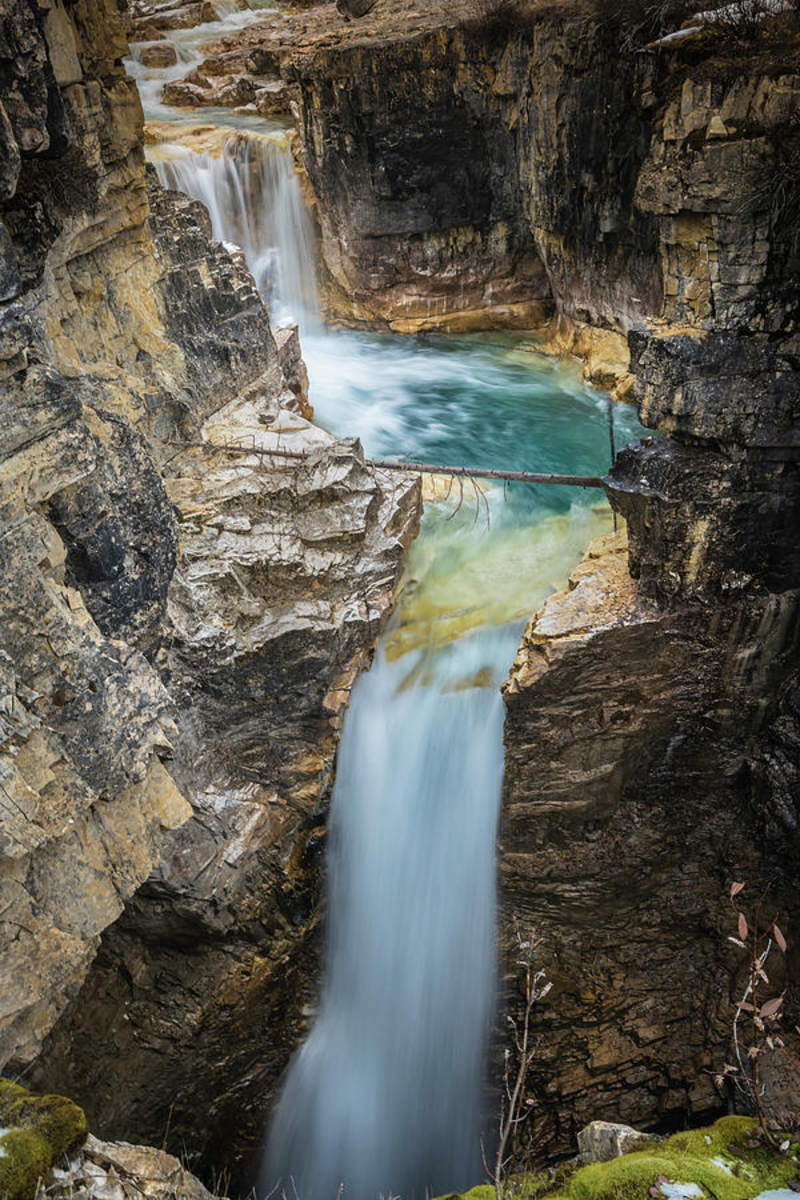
[513,1107]
[757,938]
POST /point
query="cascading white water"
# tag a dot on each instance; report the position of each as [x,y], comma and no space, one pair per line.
[385,1096]
[253,197]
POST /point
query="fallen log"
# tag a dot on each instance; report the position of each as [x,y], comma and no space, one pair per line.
[410,468]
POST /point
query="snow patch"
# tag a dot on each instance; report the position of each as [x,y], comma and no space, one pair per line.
[3,1132]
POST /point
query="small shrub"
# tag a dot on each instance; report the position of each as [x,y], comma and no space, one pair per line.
[497,18]
[776,190]
[634,23]
[756,935]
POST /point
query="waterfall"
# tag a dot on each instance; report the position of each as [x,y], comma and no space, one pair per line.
[254,199]
[385,1096]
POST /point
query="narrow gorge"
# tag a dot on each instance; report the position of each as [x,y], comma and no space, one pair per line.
[248,252]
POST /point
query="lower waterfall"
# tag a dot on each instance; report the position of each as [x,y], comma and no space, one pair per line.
[386,1097]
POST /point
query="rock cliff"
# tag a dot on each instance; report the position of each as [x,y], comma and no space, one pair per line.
[643,708]
[649,198]
[180,629]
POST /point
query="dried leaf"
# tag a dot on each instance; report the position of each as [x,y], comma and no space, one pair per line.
[735,889]
[737,942]
[745,1006]
[771,1007]
[742,926]
[779,938]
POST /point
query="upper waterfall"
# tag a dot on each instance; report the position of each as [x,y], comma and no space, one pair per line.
[253,197]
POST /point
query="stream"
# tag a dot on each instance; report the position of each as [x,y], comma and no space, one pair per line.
[386,1097]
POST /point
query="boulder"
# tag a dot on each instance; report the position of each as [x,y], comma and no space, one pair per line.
[600,1141]
[161,54]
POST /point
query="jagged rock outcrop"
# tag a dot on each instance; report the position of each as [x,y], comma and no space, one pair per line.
[179,628]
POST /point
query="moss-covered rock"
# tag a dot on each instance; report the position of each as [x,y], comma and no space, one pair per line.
[34,1131]
[25,1158]
[721,1161]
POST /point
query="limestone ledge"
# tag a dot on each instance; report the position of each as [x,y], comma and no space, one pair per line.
[601,595]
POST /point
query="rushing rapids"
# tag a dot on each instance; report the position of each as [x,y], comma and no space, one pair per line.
[386,1096]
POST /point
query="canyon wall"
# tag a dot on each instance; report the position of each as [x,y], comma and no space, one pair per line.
[416,189]
[180,629]
[645,702]
[651,729]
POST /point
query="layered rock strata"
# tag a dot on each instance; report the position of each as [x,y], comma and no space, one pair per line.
[634,735]
[649,733]
[464,164]
[180,629]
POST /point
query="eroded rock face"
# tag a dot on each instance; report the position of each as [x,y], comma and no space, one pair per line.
[642,712]
[180,629]
[632,734]
[417,189]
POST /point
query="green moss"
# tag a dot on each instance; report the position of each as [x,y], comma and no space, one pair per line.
[687,1158]
[25,1158]
[684,1158]
[526,1187]
[41,1128]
